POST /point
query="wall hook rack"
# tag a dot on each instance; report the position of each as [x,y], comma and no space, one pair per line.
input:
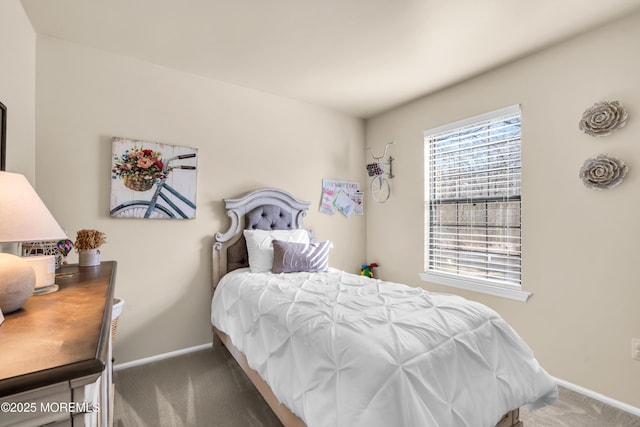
[389,162]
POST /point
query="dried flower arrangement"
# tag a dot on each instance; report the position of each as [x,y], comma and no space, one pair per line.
[89,239]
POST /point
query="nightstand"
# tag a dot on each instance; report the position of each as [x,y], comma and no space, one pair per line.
[55,353]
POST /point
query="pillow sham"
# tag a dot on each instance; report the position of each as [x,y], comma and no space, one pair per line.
[294,257]
[259,246]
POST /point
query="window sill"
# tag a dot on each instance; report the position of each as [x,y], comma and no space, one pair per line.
[485,288]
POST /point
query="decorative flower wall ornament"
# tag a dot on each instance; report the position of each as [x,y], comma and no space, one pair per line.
[603,118]
[603,172]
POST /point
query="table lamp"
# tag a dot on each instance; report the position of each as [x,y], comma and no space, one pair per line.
[23,217]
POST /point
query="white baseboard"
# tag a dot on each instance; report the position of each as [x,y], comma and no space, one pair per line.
[599,397]
[162,356]
[566,384]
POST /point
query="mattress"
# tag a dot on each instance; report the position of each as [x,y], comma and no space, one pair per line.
[344,350]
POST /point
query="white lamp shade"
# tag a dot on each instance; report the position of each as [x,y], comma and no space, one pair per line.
[23,216]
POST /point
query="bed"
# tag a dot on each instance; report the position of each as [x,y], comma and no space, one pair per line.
[328,348]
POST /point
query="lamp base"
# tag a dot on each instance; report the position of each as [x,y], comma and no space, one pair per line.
[17,281]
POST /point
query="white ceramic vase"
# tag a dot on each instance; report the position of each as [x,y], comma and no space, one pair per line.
[88,257]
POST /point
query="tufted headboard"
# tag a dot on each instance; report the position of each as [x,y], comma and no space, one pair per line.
[264,209]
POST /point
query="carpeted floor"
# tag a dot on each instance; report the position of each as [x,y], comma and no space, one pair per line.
[205,388]
[208,389]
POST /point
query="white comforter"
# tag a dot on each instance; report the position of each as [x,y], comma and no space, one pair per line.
[344,350]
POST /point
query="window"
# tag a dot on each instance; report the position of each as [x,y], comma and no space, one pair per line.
[473,204]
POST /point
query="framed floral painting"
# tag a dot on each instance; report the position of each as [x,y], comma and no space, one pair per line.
[152,180]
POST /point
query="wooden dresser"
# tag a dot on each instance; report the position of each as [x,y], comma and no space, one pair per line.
[55,353]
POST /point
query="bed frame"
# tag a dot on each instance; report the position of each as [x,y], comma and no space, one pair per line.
[267,209]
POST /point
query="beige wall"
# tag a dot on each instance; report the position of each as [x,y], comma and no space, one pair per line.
[17,86]
[245,140]
[580,246]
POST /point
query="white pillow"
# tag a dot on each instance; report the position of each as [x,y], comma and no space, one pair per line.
[260,249]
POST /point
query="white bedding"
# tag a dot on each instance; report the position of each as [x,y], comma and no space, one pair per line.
[344,350]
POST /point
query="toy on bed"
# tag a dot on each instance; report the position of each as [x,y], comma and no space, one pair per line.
[367,270]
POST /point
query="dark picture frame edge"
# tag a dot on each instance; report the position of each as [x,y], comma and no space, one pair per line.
[3,137]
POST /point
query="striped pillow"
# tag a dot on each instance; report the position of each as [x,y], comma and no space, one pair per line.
[292,257]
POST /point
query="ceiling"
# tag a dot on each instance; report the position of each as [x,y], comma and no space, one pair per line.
[360,57]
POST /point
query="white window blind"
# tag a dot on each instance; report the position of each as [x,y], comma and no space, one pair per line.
[473,201]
